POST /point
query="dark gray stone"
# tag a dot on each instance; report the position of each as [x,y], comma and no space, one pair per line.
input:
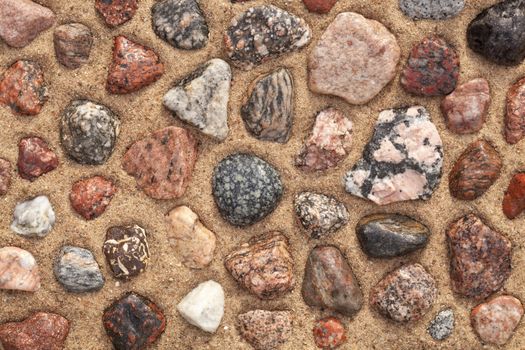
[76,269]
[431,9]
[442,326]
[320,215]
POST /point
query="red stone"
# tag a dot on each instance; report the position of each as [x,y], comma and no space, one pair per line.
[5,176]
[515,116]
[116,12]
[90,197]
[319,6]
[35,158]
[329,333]
[514,199]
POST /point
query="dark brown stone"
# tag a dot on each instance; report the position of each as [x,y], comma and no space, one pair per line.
[73,43]
[5,176]
[35,158]
[514,199]
[116,12]
[265,330]
[515,116]
[90,197]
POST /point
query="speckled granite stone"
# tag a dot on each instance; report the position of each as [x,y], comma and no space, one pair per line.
[35,158]
[514,199]
[76,269]
[5,176]
[265,330]
[116,12]
[442,326]
[329,333]
[515,114]
[431,9]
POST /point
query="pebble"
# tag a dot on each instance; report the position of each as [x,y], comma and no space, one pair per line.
[320,215]
[245,188]
[329,333]
[194,243]
[18,270]
[515,115]
[77,270]
[5,176]
[480,258]
[266,330]
[90,197]
[391,235]
[431,9]
[264,265]
[319,6]
[126,250]
[476,169]
[432,68]
[405,294]
[442,326]
[88,132]
[350,44]
[268,112]
[35,158]
[328,144]
[466,108]
[498,33]
[496,320]
[403,161]
[23,89]
[204,306]
[22,20]
[116,12]
[34,217]
[264,32]
[163,162]
[514,199]
[40,331]
[201,99]
[181,23]
[133,322]
[73,42]
[330,283]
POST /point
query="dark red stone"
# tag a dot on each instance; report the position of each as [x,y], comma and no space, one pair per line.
[515,116]
[116,12]
[5,176]
[90,197]
[514,199]
[319,6]
[329,333]
[35,158]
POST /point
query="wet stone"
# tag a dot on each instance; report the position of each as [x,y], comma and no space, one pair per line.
[33,218]
[18,270]
[116,12]
[90,197]
[77,270]
[431,9]
[329,333]
[515,116]
[35,158]
[73,42]
[442,326]
[5,176]
[265,330]
[514,199]
[319,6]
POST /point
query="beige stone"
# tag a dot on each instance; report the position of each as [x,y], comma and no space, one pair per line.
[18,270]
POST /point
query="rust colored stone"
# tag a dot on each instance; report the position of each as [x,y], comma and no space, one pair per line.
[90,197]
[515,116]
[35,158]
[73,43]
[514,199]
[329,333]
[5,176]
[319,6]
[116,12]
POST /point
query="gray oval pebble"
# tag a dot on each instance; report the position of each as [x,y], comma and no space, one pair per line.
[431,9]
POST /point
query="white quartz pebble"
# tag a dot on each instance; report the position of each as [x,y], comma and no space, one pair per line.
[34,217]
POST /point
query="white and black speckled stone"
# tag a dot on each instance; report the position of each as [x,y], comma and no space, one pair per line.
[245,188]
[320,215]
[431,9]
[442,326]
[76,269]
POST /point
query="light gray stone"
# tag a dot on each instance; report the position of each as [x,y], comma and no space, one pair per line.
[442,326]
[34,217]
[76,269]
[431,9]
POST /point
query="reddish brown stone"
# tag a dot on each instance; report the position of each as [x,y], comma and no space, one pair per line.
[72,44]
[22,88]
[116,12]
[134,66]
[319,6]
[5,176]
[265,330]
[41,331]
[515,116]
[35,158]
[329,333]
[514,199]
[90,197]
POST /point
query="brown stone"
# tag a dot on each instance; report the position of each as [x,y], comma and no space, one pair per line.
[265,330]
[5,176]
[514,199]
[116,12]
[90,197]
[319,6]
[73,43]
[35,158]
[515,116]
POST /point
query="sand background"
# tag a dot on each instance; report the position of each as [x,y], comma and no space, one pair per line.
[166,281]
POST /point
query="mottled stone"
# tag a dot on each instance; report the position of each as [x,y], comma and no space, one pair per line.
[73,43]
[264,32]
[5,176]
[163,162]
[33,218]
[319,6]
[35,158]
[442,326]
[90,197]
[18,270]
[329,333]
[245,188]
[515,115]
[431,9]
[77,270]
[514,199]
[116,12]
[201,99]
[480,258]
[329,282]
[403,161]
[265,330]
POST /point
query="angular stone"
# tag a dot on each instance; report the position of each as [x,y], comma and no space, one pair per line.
[329,282]
[201,99]
[476,169]
[90,197]
[264,265]
[432,68]
[264,32]
[431,9]
[194,243]
[33,218]
[18,270]
[514,199]
[181,23]
[329,333]
[403,161]
[268,110]
[35,158]
[319,6]
[5,176]
[77,270]
[73,43]
[515,116]
[329,142]
[442,326]
[133,322]
[466,108]
[264,329]
[116,12]
[350,44]
[163,162]
[480,258]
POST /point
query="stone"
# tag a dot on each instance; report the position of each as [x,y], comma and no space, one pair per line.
[194,243]
[320,215]
[329,143]
[405,294]
[403,160]
[391,235]
[35,158]
[181,23]
[432,68]
[116,12]
[77,270]
[268,111]
[33,218]
[480,258]
[5,176]
[88,132]
[73,42]
[18,270]
[22,20]
[465,109]
[23,89]
[496,320]
[264,265]
[163,162]
[90,197]
[514,199]
[431,9]
[350,44]
[319,6]
[442,326]
[515,114]
[40,331]
[476,169]
[329,333]
[264,32]
[497,38]
[264,329]
[204,306]
[330,283]
[201,99]
[126,250]
[133,322]
[246,189]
